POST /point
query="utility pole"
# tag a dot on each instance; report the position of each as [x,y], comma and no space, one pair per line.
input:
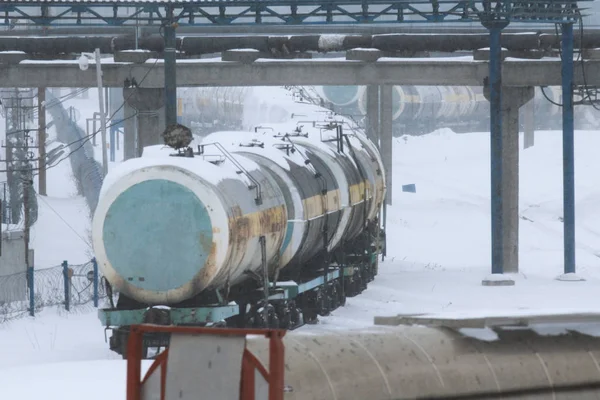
[26,182]
[170,58]
[102,114]
[12,130]
[84,65]
[42,140]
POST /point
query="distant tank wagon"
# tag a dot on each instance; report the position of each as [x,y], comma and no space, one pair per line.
[266,228]
[416,110]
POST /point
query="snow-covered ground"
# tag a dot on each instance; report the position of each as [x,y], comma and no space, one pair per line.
[438,253]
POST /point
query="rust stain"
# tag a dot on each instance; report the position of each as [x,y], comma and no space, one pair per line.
[206,243]
[210,268]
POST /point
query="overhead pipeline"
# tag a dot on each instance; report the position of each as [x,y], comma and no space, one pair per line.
[284,45]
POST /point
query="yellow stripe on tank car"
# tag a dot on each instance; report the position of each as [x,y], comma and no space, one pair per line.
[313,206]
[333,200]
[259,223]
[456,98]
[357,193]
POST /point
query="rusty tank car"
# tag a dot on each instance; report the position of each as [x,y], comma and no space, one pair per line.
[266,227]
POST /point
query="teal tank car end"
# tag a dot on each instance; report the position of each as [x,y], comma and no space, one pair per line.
[157,235]
[341,95]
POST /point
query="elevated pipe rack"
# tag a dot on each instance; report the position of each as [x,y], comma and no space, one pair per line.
[495,16]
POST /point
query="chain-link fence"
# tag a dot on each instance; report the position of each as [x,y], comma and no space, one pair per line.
[67,286]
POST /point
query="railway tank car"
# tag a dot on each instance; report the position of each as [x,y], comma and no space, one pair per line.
[422,109]
[269,228]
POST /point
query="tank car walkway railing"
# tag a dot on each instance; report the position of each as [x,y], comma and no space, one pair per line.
[255,184]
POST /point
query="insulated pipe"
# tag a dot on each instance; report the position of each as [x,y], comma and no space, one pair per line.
[452,42]
[409,362]
[282,45]
[55,45]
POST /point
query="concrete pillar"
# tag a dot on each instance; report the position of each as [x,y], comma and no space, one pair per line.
[385,135]
[529,123]
[147,102]
[129,139]
[162,119]
[512,99]
[373,113]
[148,127]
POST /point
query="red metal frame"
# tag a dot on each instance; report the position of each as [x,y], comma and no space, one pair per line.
[250,363]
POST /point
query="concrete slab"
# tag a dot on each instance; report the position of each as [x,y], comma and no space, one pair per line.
[570,277]
[12,57]
[296,56]
[243,55]
[335,71]
[368,55]
[484,54]
[135,56]
[591,54]
[497,280]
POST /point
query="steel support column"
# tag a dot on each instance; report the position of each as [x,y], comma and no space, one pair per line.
[495,86]
[170,71]
[373,113]
[529,124]
[568,149]
[113,142]
[386,136]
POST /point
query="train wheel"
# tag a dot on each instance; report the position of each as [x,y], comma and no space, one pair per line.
[334,296]
[323,302]
[297,319]
[360,282]
[284,315]
[340,297]
[348,287]
[274,321]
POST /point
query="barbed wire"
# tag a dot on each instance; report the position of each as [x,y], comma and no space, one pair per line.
[48,290]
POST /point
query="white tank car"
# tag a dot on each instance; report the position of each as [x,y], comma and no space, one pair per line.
[166,228]
[169,227]
[400,98]
[341,95]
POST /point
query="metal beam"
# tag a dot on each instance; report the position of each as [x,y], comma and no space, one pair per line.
[279,12]
[233,30]
[170,68]
[568,149]
[495,87]
[459,72]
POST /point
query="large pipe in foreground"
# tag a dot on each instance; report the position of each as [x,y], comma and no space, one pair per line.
[416,362]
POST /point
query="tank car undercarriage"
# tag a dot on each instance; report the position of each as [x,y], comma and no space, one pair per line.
[334,276]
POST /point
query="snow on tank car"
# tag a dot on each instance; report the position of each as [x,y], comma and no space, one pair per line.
[166,227]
